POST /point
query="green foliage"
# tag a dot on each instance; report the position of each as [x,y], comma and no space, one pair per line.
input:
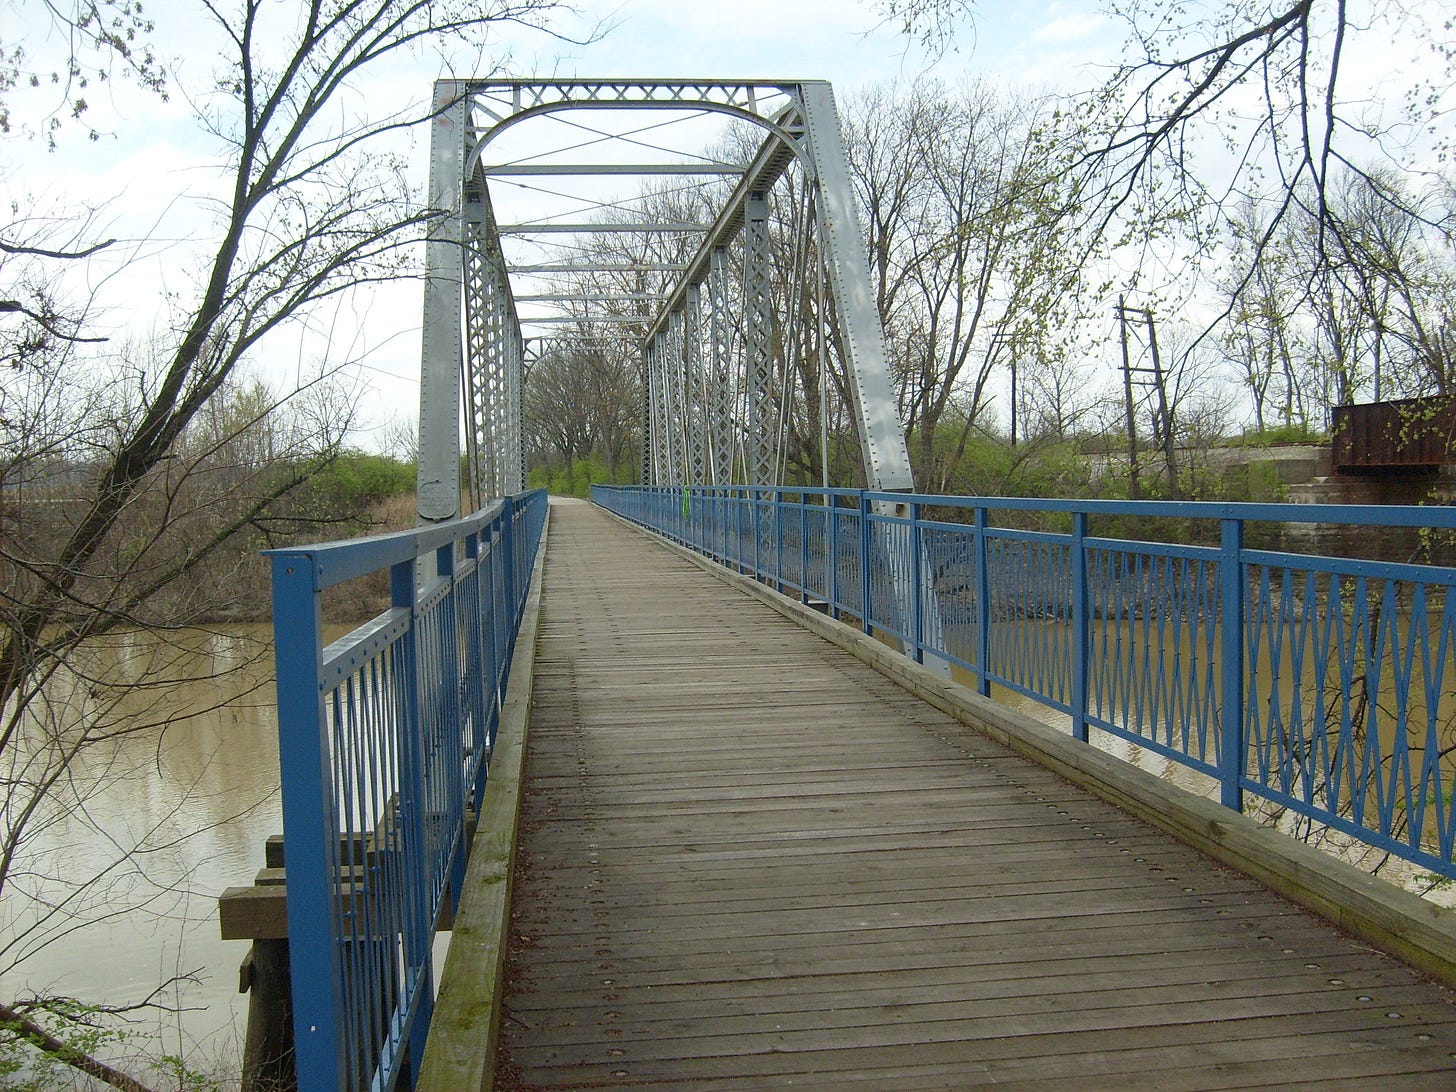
[576,478]
[180,1075]
[1278,434]
[356,480]
[982,464]
[26,1068]
[87,1032]
[342,491]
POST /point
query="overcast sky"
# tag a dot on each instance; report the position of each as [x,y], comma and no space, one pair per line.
[155,167]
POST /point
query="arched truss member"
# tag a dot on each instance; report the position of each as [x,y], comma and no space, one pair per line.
[727,336]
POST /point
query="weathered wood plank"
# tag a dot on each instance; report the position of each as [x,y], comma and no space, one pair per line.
[747,860]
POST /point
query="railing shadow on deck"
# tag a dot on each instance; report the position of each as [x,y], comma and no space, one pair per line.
[386,736]
[1320,688]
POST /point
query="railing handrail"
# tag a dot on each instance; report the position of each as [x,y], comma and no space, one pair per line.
[346,559]
[1380,515]
[384,740]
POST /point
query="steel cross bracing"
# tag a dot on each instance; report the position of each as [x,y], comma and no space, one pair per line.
[724,351]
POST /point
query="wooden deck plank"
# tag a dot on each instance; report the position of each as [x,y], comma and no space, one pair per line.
[748,861]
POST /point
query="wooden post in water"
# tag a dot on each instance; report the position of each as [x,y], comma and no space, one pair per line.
[260,914]
[268,1047]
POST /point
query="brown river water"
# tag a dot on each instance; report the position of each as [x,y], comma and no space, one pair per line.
[199,797]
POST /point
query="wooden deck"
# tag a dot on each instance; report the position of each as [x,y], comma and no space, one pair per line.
[749,861]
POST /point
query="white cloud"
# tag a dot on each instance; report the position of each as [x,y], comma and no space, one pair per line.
[1070,29]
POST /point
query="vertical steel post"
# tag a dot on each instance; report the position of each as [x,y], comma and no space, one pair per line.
[866,552]
[311,822]
[887,460]
[479,326]
[1231,651]
[649,419]
[721,406]
[513,478]
[441,358]
[882,438]
[695,387]
[983,602]
[917,583]
[675,381]
[1081,635]
[760,429]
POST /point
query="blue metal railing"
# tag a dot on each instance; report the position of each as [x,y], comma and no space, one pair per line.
[1322,686]
[385,741]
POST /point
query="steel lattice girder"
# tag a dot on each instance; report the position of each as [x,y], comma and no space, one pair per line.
[761,416]
[721,398]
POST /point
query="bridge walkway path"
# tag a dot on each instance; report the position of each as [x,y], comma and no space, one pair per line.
[749,861]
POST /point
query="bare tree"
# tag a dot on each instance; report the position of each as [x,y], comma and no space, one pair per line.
[103,37]
[584,401]
[1262,336]
[965,223]
[146,463]
[1367,313]
[1245,137]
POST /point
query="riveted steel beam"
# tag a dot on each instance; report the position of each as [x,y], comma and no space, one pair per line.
[655,227]
[599,267]
[529,170]
[442,354]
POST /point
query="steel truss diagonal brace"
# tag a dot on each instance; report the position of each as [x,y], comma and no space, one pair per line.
[887,460]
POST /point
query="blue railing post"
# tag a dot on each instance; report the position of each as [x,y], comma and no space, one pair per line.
[803,548]
[310,848]
[831,554]
[866,592]
[414,804]
[1231,706]
[727,513]
[983,603]
[1081,634]
[778,524]
[917,588]
[755,493]
[738,529]
[508,547]
[717,530]
[484,640]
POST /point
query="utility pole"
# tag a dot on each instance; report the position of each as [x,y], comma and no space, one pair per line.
[1163,414]
[1135,488]
[1013,396]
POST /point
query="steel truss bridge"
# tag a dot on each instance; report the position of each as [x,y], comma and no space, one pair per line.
[747,862]
[747,297]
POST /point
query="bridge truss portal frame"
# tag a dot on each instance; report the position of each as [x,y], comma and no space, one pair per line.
[474,350]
